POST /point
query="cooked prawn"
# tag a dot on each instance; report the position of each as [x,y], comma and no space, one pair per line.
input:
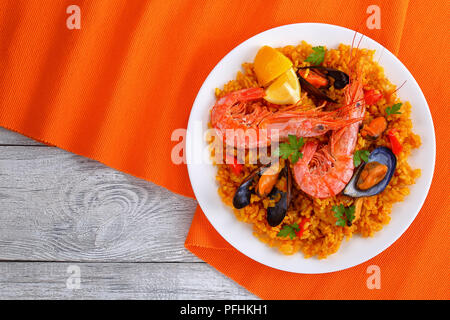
[254,125]
[325,172]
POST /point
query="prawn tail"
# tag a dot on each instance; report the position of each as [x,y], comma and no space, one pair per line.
[301,167]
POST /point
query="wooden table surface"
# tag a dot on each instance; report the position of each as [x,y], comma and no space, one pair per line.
[67,220]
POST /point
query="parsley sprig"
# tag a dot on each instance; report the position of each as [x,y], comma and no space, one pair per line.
[317,56]
[289,230]
[395,109]
[344,215]
[360,155]
[291,148]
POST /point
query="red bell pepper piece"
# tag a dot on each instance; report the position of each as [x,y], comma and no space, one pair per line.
[372,96]
[301,226]
[235,167]
[396,146]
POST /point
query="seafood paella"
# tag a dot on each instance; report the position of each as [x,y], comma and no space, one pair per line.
[311,146]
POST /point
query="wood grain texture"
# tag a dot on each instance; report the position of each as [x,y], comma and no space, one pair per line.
[8,137]
[56,206]
[126,235]
[40,280]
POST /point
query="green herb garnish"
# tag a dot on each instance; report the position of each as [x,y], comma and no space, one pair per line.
[317,56]
[394,109]
[360,155]
[289,230]
[344,215]
[291,148]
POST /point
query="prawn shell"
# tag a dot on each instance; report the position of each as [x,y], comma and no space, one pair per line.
[382,155]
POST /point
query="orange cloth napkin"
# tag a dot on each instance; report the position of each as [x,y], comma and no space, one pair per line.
[116,89]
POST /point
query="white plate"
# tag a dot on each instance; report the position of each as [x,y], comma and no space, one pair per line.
[239,234]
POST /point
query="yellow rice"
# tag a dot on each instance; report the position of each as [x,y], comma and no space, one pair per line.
[321,236]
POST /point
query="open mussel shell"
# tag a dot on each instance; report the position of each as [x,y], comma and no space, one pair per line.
[381,155]
[276,214]
[308,87]
[243,194]
[341,79]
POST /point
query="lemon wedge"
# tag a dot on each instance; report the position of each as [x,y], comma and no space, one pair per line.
[269,64]
[285,89]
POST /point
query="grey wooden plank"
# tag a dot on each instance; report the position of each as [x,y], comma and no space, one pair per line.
[57,206]
[40,280]
[8,137]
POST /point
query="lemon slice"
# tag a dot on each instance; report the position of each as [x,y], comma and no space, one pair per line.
[270,64]
[285,89]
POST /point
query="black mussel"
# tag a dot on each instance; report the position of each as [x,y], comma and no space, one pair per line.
[341,79]
[372,178]
[308,87]
[276,214]
[243,194]
[263,182]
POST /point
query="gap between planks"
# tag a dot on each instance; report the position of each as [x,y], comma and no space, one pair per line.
[57,206]
[40,280]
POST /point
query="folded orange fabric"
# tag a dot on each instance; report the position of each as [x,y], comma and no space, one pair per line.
[115,89]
